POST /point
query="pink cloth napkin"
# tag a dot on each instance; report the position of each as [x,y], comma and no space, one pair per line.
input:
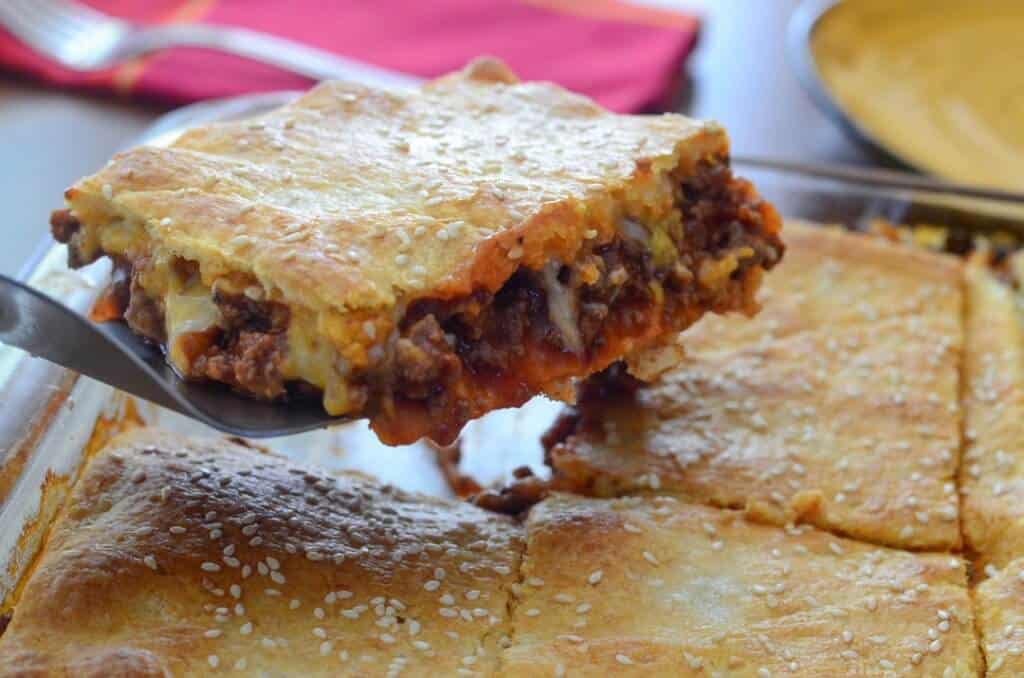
[626,56]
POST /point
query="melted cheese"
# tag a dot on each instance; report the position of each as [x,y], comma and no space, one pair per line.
[563,307]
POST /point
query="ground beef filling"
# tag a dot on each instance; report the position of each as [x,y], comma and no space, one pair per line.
[489,335]
[244,351]
[485,335]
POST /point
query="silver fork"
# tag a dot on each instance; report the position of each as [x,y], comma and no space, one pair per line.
[83,39]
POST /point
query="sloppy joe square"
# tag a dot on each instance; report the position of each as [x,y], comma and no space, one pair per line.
[652,586]
[419,258]
[192,557]
[856,432]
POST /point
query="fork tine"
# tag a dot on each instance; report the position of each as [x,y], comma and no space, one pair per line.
[72,13]
[51,26]
[19,17]
[59,18]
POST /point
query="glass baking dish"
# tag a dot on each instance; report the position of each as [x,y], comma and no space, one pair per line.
[52,419]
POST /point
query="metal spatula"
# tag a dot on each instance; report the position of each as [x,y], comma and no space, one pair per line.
[112,353]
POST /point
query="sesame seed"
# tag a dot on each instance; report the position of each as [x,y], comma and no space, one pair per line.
[935,646]
[210,567]
[176,529]
[432,585]
[533,612]
[277,577]
[623,659]
[595,577]
[536,582]
[213,660]
[108,191]
[401,259]
[331,598]
[421,645]
[564,598]
[246,571]
[272,592]
[319,632]
[835,548]
[273,563]
[583,608]
[293,604]
[515,253]
[764,673]
[150,561]
[213,633]
[649,557]
[448,612]
[630,527]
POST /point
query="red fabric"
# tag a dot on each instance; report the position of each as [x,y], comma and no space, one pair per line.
[627,57]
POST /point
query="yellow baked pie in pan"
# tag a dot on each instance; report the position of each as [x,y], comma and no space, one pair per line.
[422,258]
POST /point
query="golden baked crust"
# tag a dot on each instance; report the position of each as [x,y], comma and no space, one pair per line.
[999,607]
[857,433]
[833,278]
[334,223]
[185,557]
[650,586]
[992,473]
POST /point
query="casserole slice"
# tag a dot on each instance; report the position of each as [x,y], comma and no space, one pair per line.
[422,258]
[195,557]
[846,417]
